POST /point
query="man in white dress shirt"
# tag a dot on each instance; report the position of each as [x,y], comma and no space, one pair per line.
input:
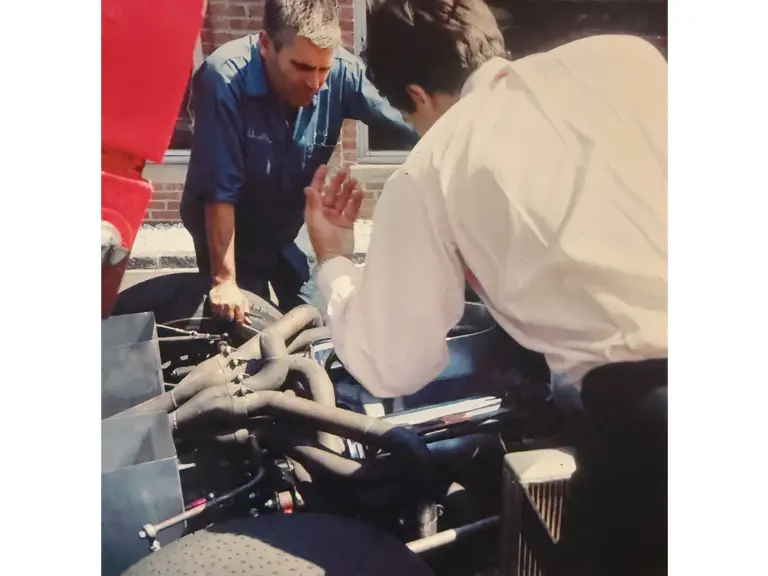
[543,182]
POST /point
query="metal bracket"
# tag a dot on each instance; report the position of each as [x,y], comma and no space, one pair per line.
[112,251]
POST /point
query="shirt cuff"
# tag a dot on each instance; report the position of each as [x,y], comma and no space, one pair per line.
[337,279]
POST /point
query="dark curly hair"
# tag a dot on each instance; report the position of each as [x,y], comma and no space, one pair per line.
[435,44]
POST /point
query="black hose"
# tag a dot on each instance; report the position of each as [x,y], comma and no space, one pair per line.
[238,437]
[402,443]
[306,338]
[319,460]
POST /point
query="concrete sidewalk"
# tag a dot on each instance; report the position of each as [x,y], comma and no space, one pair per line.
[169,246]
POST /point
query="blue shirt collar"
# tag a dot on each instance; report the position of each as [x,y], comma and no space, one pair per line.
[256,78]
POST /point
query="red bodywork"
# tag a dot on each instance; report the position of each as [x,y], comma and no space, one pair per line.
[147,55]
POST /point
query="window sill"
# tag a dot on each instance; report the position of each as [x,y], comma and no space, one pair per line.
[373,173]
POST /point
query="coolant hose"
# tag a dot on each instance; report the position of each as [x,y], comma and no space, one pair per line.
[306,338]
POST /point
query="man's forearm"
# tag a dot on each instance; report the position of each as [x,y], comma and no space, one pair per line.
[220,230]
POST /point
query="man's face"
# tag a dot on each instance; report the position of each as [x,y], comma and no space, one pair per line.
[298,70]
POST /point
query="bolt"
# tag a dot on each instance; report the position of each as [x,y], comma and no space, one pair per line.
[155,546]
[211,496]
[254,512]
[270,504]
[251,496]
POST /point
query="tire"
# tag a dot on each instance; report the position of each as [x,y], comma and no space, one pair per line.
[183,295]
[284,545]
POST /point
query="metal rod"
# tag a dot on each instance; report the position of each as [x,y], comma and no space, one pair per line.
[150,531]
[450,536]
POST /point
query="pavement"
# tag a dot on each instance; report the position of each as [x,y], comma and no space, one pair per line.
[169,246]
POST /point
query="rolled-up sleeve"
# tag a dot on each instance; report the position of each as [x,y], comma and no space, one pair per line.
[364,103]
[389,320]
[218,136]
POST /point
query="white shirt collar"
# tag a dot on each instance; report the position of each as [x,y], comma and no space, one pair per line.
[484,75]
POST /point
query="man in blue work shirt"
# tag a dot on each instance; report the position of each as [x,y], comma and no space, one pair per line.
[267,110]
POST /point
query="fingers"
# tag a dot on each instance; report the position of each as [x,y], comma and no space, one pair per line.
[334,188]
[342,199]
[352,209]
[224,311]
[314,199]
[318,180]
[231,305]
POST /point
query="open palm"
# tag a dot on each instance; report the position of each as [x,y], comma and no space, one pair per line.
[330,213]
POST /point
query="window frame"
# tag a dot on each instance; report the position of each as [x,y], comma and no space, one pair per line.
[182,156]
[364,154]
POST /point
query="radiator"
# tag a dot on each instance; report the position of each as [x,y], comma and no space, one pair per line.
[535,486]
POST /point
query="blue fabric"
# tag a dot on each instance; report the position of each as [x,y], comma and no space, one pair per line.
[245,152]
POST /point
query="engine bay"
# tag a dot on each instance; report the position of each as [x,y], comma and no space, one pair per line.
[205,424]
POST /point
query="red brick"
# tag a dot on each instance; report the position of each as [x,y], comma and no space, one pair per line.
[220,23]
[238,10]
[164,215]
[220,38]
[166,195]
[156,205]
[348,40]
[173,205]
[347,26]
[208,48]
[346,13]
[245,24]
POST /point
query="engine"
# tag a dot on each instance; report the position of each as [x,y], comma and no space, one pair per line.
[204,426]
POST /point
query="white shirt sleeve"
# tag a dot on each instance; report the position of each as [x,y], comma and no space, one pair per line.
[389,320]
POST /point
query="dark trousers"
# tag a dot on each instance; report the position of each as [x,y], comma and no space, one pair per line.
[281,272]
[615,516]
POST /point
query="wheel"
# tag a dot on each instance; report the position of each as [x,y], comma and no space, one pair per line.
[284,545]
[177,298]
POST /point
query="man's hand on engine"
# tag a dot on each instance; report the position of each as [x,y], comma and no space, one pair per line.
[228,301]
[331,212]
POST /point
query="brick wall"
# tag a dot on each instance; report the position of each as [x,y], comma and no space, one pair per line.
[227,20]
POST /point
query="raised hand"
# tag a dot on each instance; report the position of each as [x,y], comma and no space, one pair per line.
[331,212]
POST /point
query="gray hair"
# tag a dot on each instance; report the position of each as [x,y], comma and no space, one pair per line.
[315,20]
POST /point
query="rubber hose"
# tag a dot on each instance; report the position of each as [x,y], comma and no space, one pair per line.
[238,437]
[359,427]
[213,372]
[273,373]
[321,389]
[181,393]
[320,384]
[286,327]
[209,405]
[319,460]
[306,338]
